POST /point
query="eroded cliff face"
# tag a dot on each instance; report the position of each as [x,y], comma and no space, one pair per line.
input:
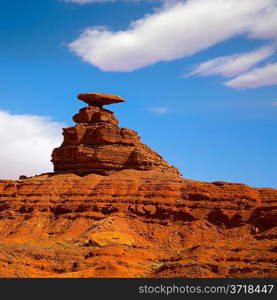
[176,227]
[97,216]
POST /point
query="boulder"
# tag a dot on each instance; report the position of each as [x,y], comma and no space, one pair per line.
[99,99]
[106,238]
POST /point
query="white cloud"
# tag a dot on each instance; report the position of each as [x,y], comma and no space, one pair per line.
[274,103]
[174,31]
[229,66]
[161,110]
[87,1]
[255,78]
[266,26]
[26,144]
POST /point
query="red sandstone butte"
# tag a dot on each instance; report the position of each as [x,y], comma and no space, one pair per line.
[98,145]
[106,212]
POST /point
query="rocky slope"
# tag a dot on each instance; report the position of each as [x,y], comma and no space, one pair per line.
[131,220]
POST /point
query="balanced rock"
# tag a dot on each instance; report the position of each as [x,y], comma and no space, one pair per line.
[99,99]
[96,144]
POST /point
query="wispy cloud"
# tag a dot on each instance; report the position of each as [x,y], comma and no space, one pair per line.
[229,66]
[26,144]
[274,103]
[177,30]
[255,78]
[265,28]
[161,110]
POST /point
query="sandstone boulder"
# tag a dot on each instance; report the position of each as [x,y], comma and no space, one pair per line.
[99,99]
[103,239]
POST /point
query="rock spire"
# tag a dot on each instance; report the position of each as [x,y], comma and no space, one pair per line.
[96,144]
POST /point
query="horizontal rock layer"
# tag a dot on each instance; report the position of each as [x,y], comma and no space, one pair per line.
[180,227]
[149,193]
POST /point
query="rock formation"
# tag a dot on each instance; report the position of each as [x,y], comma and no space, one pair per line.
[139,219]
[97,145]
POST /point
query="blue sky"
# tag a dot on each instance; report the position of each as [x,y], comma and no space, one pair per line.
[201,92]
